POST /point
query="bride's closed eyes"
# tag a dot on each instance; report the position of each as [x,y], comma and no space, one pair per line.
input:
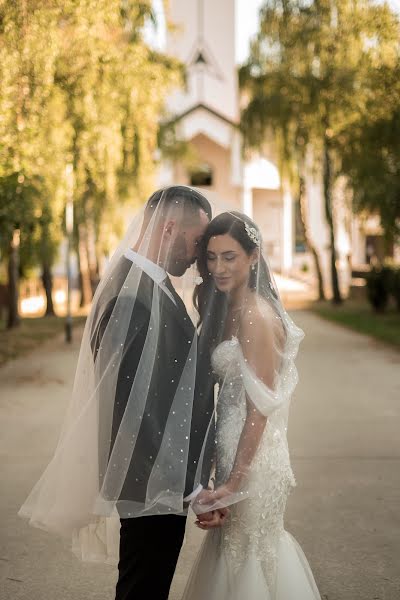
[226,255]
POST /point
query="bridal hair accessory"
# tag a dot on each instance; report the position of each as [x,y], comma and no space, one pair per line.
[252,233]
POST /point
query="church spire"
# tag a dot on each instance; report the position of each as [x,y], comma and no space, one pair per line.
[203,38]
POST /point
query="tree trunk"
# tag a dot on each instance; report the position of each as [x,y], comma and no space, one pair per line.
[84,274]
[13,281]
[47,279]
[336,295]
[92,256]
[310,245]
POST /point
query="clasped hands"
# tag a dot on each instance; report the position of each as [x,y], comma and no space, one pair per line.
[211,518]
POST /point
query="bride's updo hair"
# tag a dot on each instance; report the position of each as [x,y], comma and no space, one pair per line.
[208,300]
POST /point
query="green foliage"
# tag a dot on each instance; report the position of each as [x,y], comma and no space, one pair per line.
[18,198]
[312,79]
[115,89]
[80,86]
[172,147]
[359,317]
[394,285]
[371,159]
[320,70]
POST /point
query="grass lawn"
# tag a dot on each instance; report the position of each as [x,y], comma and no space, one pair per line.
[30,334]
[359,316]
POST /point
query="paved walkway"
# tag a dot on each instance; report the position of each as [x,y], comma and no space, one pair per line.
[344,440]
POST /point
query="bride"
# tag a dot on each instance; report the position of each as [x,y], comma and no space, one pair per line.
[252,343]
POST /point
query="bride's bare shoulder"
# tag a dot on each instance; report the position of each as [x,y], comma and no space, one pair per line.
[261,324]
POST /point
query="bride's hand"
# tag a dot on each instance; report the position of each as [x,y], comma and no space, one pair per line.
[204,498]
[209,497]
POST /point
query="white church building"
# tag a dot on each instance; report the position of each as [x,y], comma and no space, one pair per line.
[206,114]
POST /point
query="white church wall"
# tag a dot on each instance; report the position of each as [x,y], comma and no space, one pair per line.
[201,121]
[267,212]
[218,159]
[357,242]
[261,173]
[236,159]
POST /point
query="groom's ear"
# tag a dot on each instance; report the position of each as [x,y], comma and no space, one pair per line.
[169,227]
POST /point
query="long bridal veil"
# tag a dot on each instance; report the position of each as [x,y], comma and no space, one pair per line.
[123,451]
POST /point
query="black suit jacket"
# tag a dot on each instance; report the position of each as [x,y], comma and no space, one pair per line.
[176,334]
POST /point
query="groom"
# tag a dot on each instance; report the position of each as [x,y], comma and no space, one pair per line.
[150,545]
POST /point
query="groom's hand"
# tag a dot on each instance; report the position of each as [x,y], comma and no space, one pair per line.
[212,519]
[208,519]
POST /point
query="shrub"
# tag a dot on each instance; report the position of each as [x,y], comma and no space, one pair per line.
[378,283]
[394,285]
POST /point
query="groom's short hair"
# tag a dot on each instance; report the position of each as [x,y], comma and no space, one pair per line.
[191,200]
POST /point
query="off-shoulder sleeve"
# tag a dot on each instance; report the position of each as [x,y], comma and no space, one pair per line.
[264,399]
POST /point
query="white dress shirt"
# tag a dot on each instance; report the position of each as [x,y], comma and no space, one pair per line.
[154,271]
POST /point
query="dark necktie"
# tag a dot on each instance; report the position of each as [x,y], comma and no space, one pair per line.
[175,295]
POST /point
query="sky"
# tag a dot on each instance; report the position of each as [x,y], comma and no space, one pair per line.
[246,23]
[246,26]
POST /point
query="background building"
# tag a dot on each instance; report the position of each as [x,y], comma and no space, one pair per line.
[206,114]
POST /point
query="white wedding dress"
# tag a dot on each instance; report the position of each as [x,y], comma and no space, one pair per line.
[251,557]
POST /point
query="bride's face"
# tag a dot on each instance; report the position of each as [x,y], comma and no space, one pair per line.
[228,263]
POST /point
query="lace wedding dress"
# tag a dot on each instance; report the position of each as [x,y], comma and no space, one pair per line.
[251,557]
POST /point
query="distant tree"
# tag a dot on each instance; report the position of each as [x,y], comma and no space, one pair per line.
[371,157]
[27,68]
[115,88]
[18,198]
[309,78]
[91,95]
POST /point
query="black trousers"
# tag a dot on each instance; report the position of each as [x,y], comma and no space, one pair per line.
[149,550]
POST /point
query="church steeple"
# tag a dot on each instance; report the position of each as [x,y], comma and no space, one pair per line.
[202,36]
[202,56]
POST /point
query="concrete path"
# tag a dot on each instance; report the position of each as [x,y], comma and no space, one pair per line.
[344,439]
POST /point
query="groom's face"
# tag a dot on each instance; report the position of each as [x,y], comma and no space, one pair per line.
[185,246]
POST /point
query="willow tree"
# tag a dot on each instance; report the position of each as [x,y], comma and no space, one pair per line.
[309,78]
[91,96]
[115,87]
[26,71]
[371,154]
[374,171]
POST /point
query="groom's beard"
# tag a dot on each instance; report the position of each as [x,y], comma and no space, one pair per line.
[178,261]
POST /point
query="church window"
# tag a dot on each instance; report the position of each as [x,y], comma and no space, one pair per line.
[202,176]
